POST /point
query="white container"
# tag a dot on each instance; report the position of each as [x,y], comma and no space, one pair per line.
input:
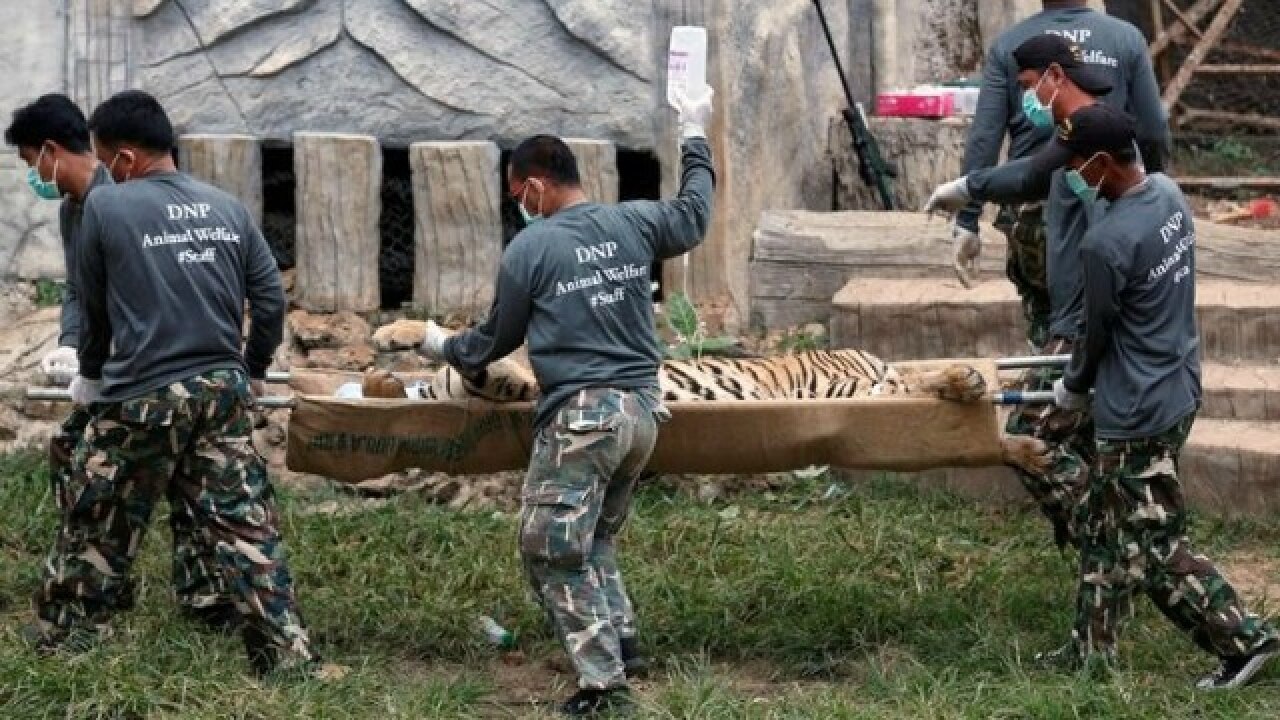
[686,61]
[350,391]
[965,100]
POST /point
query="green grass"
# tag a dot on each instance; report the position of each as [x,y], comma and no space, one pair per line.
[882,602]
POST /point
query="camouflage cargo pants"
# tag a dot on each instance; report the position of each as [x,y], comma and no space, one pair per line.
[1026,266]
[190,440]
[575,499]
[1134,536]
[196,580]
[1070,437]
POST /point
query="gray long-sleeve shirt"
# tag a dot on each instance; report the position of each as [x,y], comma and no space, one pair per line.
[166,264]
[1110,43]
[1066,219]
[1141,348]
[69,216]
[577,285]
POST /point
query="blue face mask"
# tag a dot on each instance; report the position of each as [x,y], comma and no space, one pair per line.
[528,217]
[1038,113]
[45,190]
[1080,186]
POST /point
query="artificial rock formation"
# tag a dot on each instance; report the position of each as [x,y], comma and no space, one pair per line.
[403,70]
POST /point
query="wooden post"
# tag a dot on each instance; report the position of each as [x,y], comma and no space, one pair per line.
[598,166]
[1202,48]
[339,179]
[1162,66]
[457,193]
[230,162]
[1176,32]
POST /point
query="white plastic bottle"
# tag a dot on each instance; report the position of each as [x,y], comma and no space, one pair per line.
[494,633]
[686,60]
[686,69]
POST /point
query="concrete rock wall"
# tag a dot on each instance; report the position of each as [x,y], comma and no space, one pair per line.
[32,58]
[405,71]
[401,70]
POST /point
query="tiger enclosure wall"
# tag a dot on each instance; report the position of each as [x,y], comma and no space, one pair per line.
[407,71]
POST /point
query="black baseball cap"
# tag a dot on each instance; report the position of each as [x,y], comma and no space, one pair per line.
[1041,51]
[1098,128]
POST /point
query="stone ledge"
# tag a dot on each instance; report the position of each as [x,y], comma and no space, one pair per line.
[901,318]
[1228,467]
[1241,392]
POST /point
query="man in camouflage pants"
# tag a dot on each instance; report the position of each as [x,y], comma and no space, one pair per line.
[1053,80]
[576,287]
[571,515]
[52,134]
[165,265]
[1141,355]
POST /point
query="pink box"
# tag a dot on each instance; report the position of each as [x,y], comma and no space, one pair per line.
[907,104]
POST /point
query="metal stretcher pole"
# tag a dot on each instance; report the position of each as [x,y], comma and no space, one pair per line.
[1018,397]
[1032,361]
[270,402]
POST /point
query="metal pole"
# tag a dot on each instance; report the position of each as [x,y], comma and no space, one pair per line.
[1032,361]
[64,395]
[1017,397]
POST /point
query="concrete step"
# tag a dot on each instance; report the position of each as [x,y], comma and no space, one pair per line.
[1233,466]
[905,318]
[1229,467]
[1241,392]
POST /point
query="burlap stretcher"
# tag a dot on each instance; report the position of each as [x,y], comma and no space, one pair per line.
[354,440]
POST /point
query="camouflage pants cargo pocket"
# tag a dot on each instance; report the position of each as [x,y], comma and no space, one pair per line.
[1026,266]
[575,500]
[61,447]
[1135,537]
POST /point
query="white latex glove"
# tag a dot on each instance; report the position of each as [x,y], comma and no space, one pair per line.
[949,197]
[433,342]
[60,365]
[85,391]
[695,112]
[1067,400]
[966,246]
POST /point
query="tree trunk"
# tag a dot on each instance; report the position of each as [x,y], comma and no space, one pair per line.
[339,179]
[598,165]
[230,162]
[458,229]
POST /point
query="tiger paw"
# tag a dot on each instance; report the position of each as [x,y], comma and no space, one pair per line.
[1025,452]
[382,384]
[400,335]
[956,383]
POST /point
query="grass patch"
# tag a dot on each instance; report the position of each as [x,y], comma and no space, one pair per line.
[881,602]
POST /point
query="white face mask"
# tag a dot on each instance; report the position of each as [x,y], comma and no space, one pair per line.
[529,218]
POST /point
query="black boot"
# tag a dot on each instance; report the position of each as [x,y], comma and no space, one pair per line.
[633,659]
[590,702]
[223,619]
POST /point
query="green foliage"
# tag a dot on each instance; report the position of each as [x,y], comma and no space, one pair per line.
[876,599]
[797,340]
[49,293]
[691,340]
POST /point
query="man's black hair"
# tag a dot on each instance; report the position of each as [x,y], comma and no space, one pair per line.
[546,155]
[133,117]
[1100,128]
[50,117]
